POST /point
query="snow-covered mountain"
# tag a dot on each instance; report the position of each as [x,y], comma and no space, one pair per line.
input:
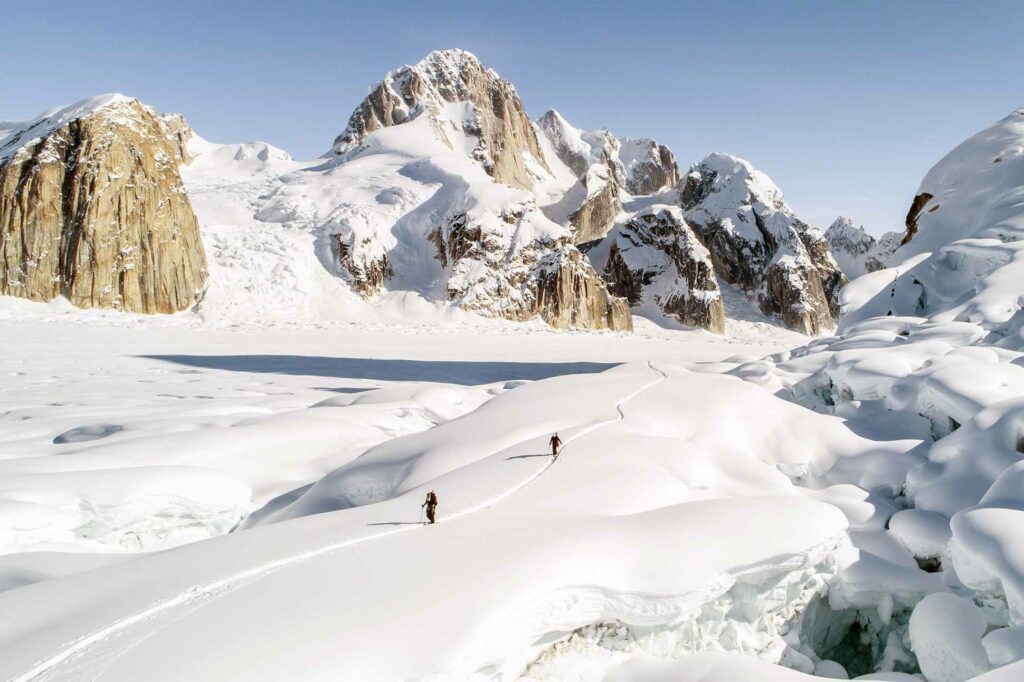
[439,197]
[433,189]
[734,230]
[732,214]
[759,245]
[858,252]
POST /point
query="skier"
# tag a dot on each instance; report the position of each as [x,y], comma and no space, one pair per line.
[431,505]
[556,443]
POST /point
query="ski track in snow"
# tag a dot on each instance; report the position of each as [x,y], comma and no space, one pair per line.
[45,669]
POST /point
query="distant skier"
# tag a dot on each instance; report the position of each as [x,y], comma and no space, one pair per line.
[431,505]
[556,443]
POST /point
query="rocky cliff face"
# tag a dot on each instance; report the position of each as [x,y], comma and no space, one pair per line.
[92,208]
[656,259]
[600,206]
[856,251]
[462,99]
[759,245]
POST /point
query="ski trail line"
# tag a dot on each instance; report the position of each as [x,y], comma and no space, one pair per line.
[196,592]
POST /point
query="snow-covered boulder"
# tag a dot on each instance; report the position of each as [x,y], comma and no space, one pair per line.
[94,209]
[472,109]
[856,251]
[758,244]
[656,260]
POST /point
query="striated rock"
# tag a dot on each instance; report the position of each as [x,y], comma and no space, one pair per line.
[489,113]
[92,208]
[649,167]
[572,294]
[856,251]
[655,258]
[600,207]
[178,133]
[493,275]
[759,245]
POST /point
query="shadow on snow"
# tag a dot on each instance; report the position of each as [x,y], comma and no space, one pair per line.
[445,371]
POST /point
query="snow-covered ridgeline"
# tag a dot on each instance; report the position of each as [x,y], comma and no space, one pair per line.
[856,251]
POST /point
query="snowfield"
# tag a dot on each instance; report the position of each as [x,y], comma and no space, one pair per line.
[690,511]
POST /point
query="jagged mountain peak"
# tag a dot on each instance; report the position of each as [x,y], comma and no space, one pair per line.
[735,181]
[856,251]
[471,109]
[759,244]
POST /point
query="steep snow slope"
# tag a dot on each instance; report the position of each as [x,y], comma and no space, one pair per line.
[962,255]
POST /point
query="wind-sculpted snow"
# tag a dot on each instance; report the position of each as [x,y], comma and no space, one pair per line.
[574,543]
[929,348]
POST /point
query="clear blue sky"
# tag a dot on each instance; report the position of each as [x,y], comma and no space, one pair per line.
[844,104]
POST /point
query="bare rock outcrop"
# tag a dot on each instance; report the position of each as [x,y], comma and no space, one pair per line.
[759,245]
[655,258]
[916,206]
[92,208]
[600,206]
[494,118]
